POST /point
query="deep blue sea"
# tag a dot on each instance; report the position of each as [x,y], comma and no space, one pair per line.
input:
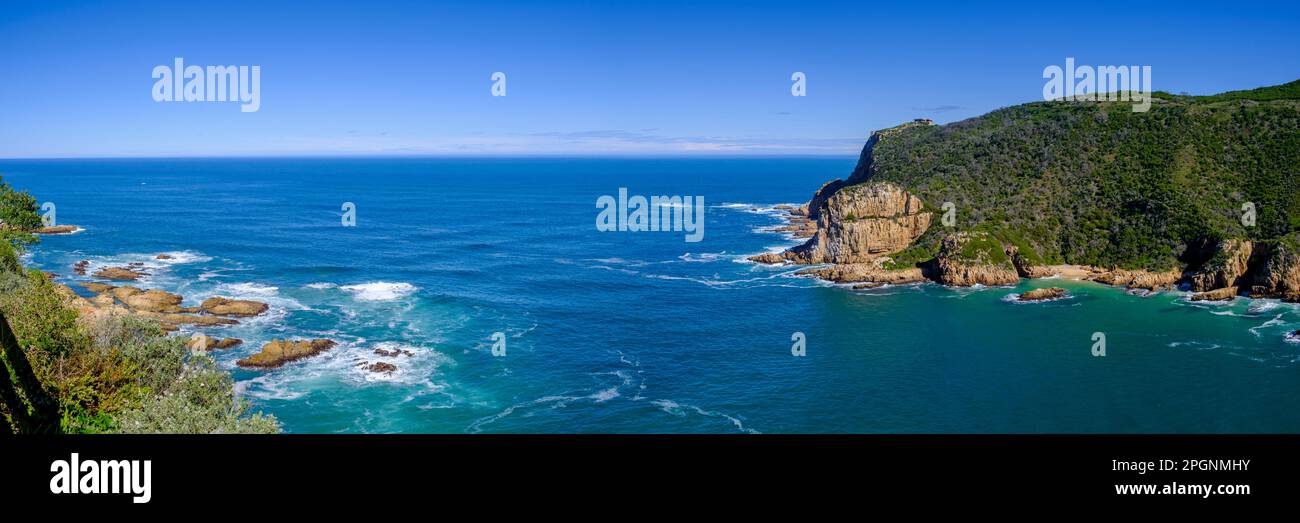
[634,332]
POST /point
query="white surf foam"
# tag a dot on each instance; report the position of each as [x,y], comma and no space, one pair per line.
[380,290]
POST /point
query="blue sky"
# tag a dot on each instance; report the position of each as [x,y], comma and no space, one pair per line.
[585,78]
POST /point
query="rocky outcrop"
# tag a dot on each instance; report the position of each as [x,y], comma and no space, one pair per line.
[859,223]
[1044,294]
[959,274]
[140,300]
[1138,279]
[1224,294]
[280,352]
[1277,273]
[1225,268]
[174,319]
[393,352]
[58,229]
[770,257]
[228,307]
[1026,268]
[203,342]
[158,305]
[96,287]
[155,301]
[797,223]
[866,272]
[119,274]
[380,367]
[958,266]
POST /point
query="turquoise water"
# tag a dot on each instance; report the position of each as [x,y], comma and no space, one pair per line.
[635,332]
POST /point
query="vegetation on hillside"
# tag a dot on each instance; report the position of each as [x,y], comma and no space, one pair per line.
[104,373]
[1097,184]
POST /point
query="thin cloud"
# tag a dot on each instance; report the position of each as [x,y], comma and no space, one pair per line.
[939,108]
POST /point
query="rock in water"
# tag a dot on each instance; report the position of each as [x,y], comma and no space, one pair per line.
[1224,294]
[279,352]
[154,301]
[1138,279]
[866,272]
[118,274]
[769,257]
[227,307]
[58,229]
[393,352]
[380,367]
[201,342]
[1049,293]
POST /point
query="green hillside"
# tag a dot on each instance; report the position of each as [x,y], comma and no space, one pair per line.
[1097,184]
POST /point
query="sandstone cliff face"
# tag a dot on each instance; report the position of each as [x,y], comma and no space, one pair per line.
[1225,268]
[1277,274]
[862,222]
[814,207]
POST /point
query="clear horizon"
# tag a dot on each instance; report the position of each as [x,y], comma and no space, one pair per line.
[665,80]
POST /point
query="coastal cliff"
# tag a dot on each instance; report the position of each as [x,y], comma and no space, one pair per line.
[860,223]
[1196,193]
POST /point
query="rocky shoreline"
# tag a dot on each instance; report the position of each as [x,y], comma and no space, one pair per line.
[167,309]
[867,265]
[854,230]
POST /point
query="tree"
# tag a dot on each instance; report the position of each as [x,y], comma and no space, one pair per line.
[19,216]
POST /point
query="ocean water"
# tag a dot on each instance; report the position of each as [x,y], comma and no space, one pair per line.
[635,332]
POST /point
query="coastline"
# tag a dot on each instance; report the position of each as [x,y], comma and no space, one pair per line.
[794,225]
[731,323]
